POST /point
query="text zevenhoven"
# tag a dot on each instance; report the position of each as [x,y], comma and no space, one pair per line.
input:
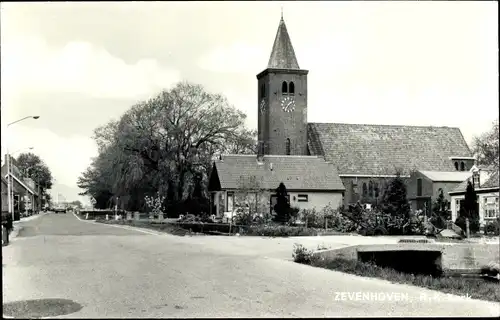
[371,296]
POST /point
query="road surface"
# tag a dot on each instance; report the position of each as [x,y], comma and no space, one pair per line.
[103,271]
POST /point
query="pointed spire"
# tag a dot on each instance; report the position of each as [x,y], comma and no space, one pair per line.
[283,55]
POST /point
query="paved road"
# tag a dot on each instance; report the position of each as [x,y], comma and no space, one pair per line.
[115,272]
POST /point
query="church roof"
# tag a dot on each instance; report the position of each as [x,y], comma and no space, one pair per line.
[283,55]
[296,172]
[445,176]
[365,149]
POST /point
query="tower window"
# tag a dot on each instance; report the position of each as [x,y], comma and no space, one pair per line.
[284,88]
[419,187]
[456,165]
[287,147]
[262,90]
[291,88]
[462,166]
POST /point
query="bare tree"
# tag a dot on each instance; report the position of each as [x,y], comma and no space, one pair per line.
[486,147]
[252,199]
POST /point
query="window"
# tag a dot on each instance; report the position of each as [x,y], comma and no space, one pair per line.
[354,187]
[287,147]
[475,180]
[302,198]
[284,88]
[291,88]
[462,166]
[457,205]
[491,209]
[230,201]
[370,189]
[365,191]
[262,90]
[456,165]
[419,187]
[376,190]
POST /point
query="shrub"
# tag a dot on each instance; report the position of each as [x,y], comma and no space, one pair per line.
[491,270]
[280,231]
[493,228]
[301,254]
[473,224]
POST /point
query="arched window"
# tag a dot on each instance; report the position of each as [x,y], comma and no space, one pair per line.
[284,88]
[456,165]
[376,190]
[365,191]
[291,88]
[287,147]
[262,90]
[462,166]
[370,189]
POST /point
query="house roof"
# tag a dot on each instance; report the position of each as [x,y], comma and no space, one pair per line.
[23,184]
[282,54]
[492,182]
[368,149]
[296,172]
[445,176]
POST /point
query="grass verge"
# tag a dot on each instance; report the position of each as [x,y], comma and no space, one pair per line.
[475,288]
[161,227]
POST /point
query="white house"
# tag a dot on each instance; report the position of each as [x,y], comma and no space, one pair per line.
[487,196]
[311,182]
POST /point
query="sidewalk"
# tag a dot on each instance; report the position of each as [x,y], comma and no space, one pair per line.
[18,224]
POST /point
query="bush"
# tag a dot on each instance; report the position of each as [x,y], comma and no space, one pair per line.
[301,254]
[473,224]
[279,231]
[492,228]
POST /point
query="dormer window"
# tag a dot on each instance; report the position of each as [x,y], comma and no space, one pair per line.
[475,180]
[291,88]
[284,88]
[462,166]
[456,165]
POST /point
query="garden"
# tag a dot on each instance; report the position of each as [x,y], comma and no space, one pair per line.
[392,216]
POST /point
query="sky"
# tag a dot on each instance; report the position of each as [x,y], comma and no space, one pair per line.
[79,65]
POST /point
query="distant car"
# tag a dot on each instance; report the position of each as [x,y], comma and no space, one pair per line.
[60,210]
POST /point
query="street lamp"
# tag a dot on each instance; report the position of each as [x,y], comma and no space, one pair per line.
[9,176]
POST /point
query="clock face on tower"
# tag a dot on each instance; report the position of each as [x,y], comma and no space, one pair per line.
[288,104]
[262,106]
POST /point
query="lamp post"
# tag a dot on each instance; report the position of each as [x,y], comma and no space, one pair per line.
[9,176]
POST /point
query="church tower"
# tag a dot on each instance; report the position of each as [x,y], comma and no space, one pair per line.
[282,100]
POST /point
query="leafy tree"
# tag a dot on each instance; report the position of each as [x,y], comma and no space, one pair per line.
[167,145]
[282,206]
[469,210]
[76,203]
[33,167]
[394,200]
[486,147]
[440,210]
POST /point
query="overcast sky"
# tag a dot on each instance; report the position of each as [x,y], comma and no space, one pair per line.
[79,65]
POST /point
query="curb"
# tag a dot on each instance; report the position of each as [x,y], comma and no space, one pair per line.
[147,231]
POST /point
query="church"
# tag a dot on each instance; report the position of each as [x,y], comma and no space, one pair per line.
[326,163]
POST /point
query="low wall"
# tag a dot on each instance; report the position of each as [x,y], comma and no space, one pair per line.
[453,257]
